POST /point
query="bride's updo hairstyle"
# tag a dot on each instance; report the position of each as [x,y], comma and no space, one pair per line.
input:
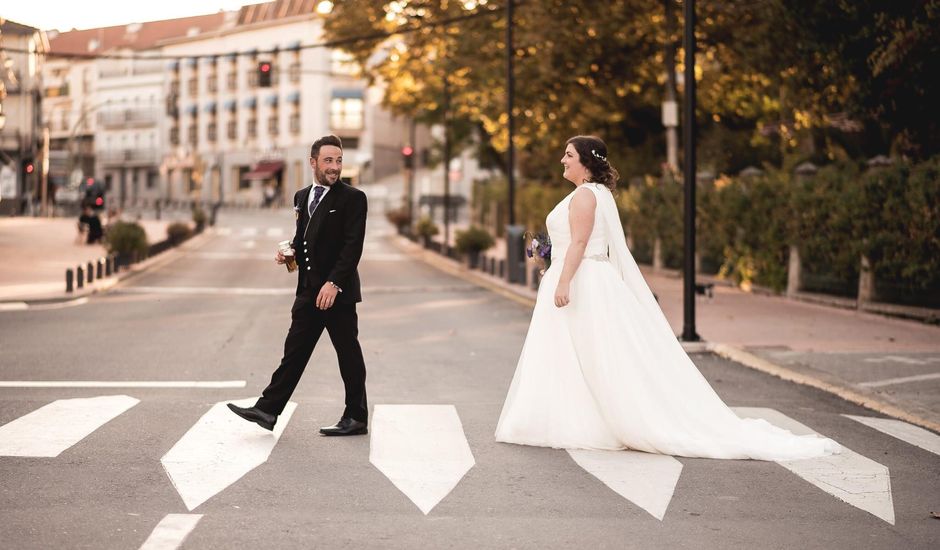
[592,153]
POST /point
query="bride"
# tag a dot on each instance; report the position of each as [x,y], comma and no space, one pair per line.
[600,367]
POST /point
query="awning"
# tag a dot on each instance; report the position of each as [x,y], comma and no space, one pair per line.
[347,93]
[264,170]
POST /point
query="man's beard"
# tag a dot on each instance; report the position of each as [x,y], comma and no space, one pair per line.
[323,179]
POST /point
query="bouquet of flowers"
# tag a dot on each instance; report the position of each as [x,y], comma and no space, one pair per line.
[539,247]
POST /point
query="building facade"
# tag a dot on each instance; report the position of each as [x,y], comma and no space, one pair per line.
[23,141]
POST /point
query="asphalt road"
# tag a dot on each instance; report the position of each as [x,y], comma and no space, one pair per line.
[219,312]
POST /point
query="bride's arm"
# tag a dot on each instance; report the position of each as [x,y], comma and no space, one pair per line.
[581,219]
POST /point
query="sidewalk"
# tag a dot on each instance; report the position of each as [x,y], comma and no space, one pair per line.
[886,364]
[37,251]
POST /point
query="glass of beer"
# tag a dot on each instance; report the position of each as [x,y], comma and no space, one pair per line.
[291,262]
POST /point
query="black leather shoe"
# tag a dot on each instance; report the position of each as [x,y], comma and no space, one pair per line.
[346,426]
[256,415]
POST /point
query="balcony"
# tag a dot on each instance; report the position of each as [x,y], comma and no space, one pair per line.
[128,157]
[128,117]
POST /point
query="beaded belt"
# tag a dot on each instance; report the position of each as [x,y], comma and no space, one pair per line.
[598,258]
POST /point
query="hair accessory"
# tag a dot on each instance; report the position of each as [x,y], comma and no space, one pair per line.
[603,158]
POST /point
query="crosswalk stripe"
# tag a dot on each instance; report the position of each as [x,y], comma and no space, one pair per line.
[218,450]
[907,433]
[207,384]
[249,231]
[421,449]
[645,479]
[170,533]
[848,476]
[274,231]
[223,231]
[53,428]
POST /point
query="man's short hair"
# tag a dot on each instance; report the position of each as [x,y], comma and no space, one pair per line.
[325,140]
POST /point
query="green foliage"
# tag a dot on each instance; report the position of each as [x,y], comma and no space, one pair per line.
[199,217]
[473,239]
[426,227]
[178,232]
[398,217]
[126,238]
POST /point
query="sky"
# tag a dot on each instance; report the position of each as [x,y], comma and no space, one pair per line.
[65,15]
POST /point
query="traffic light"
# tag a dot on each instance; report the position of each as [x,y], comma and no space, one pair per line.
[264,74]
[28,167]
[94,194]
[408,156]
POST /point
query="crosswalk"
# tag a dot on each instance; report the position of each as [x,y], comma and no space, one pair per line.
[423,451]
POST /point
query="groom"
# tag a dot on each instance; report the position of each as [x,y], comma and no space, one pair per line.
[331,226]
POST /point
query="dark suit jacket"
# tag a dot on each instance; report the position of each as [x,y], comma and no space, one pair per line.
[329,245]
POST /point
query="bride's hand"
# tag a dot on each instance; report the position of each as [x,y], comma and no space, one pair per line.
[561,295]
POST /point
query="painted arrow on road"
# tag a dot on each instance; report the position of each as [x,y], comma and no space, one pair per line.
[644,479]
[848,476]
[53,428]
[421,449]
[218,450]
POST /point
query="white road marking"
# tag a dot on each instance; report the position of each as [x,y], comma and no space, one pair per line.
[232,256]
[901,380]
[421,449]
[210,384]
[23,306]
[223,231]
[848,476]
[647,480]
[249,231]
[274,231]
[14,306]
[53,428]
[249,245]
[902,359]
[170,533]
[908,433]
[218,450]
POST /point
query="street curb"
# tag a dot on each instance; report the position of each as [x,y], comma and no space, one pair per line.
[733,353]
[752,361]
[102,286]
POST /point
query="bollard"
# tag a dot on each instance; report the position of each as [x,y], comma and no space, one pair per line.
[79,277]
[69,275]
[99,269]
[502,268]
[108,265]
[535,278]
[91,273]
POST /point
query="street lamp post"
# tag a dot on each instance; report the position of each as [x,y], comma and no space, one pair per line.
[446,165]
[515,261]
[688,271]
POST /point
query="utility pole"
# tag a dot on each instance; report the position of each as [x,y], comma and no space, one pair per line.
[446,165]
[412,141]
[688,271]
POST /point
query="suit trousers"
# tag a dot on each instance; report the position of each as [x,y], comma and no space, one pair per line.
[307,323]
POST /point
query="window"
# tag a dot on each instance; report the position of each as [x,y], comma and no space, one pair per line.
[346,113]
[294,72]
[243,183]
[193,86]
[253,78]
[211,131]
[252,127]
[350,142]
[211,84]
[232,129]
[151,179]
[175,135]
[295,123]
[232,81]
[273,124]
[193,129]
[189,180]
[175,87]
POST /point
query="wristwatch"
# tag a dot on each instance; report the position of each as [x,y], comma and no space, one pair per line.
[334,285]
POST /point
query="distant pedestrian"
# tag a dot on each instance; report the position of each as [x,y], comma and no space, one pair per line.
[90,224]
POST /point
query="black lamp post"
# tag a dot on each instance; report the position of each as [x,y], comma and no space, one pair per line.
[688,270]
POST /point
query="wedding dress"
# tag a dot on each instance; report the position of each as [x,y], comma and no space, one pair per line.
[607,372]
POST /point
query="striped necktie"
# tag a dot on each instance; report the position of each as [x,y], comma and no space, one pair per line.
[317,195]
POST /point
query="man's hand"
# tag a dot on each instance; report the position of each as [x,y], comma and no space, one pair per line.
[280,258]
[327,296]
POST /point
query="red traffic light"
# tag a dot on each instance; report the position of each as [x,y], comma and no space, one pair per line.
[407,151]
[90,181]
[99,201]
[30,168]
[265,67]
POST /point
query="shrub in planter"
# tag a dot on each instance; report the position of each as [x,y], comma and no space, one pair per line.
[472,241]
[399,218]
[426,229]
[178,232]
[126,239]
